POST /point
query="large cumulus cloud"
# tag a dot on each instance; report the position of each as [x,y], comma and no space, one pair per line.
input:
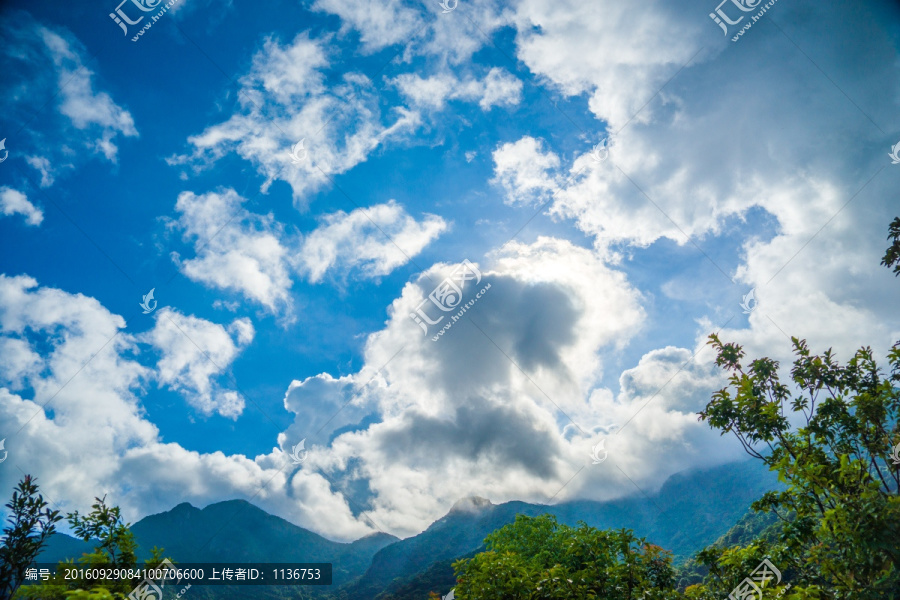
[506,404]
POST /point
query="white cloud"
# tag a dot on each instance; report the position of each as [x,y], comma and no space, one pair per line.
[88,109]
[432,92]
[498,88]
[195,351]
[68,354]
[620,60]
[14,202]
[235,249]
[752,128]
[42,165]
[323,404]
[424,30]
[710,151]
[379,24]
[283,99]
[72,365]
[251,254]
[49,62]
[444,414]
[525,171]
[651,428]
[374,240]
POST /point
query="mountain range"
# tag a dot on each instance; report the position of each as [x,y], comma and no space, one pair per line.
[691,510]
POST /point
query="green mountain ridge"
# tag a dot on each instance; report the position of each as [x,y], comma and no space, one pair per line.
[234,531]
[683,517]
[692,509]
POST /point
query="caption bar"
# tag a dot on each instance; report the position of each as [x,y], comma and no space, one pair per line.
[187,573]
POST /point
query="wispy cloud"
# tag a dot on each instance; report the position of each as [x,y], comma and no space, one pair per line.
[14,202]
[373,241]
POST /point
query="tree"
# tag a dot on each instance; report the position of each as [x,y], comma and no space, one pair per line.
[535,558]
[31,523]
[830,440]
[892,254]
[114,546]
[832,434]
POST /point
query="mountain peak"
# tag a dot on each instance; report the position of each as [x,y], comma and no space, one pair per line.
[471,504]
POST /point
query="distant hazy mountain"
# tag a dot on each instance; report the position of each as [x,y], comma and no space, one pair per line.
[691,510]
[235,531]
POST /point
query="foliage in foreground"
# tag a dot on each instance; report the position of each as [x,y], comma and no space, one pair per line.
[831,443]
[535,557]
[31,525]
[838,522]
[832,434]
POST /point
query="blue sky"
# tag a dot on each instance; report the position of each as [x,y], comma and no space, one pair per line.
[430,138]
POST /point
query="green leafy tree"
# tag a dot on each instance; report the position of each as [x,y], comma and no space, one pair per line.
[536,558]
[892,255]
[830,438]
[114,546]
[104,526]
[30,525]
